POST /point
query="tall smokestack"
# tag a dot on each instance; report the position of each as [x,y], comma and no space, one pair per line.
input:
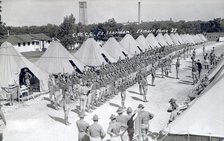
[139,12]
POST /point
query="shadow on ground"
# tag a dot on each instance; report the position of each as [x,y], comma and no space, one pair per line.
[58,119]
[136,98]
[114,105]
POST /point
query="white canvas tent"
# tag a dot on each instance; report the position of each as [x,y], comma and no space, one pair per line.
[161,39]
[115,50]
[179,38]
[152,40]
[174,39]
[191,39]
[184,39]
[168,39]
[143,42]
[203,37]
[131,45]
[12,62]
[57,59]
[91,54]
[204,118]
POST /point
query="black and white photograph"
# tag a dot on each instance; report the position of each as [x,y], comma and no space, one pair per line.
[111,70]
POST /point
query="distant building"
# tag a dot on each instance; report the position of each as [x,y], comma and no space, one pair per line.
[83,12]
[214,36]
[29,42]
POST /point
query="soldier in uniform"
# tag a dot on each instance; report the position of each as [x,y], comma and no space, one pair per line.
[130,123]
[173,109]
[139,78]
[2,117]
[96,131]
[66,108]
[123,93]
[114,129]
[144,84]
[57,94]
[153,74]
[145,118]
[177,68]
[51,88]
[85,90]
[82,128]
[27,77]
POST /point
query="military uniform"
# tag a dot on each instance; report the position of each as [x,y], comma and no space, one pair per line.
[82,129]
[144,84]
[96,131]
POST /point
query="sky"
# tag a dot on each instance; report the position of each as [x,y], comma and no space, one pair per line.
[42,12]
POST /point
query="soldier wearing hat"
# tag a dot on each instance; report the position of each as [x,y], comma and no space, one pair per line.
[173,109]
[82,127]
[95,130]
[114,129]
[145,117]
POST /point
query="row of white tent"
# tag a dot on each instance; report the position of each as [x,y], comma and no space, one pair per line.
[57,59]
[91,54]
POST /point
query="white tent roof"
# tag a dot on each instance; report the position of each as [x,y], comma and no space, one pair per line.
[161,39]
[114,49]
[131,45]
[184,38]
[205,116]
[203,37]
[195,39]
[90,53]
[168,39]
[143,42]
[56,59]
[199,39]
[190,39]
[174,39]
[152,40]
[11,62]
[179,38]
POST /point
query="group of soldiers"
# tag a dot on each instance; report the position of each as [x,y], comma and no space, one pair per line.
[121,127]
[95,85]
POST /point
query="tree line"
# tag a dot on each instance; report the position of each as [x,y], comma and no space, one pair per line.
[64,32]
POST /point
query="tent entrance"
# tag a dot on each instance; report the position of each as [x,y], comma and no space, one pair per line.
[139,48]
[105,57]
[34,81]
[124,54]
[74,66]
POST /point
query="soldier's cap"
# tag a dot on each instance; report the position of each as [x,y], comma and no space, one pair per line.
[112,117]
[140,106]
[172,100]
[81,115]
[95,118]
[120,110]
[129,110]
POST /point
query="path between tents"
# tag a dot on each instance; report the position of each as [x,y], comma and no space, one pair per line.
[36,120]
